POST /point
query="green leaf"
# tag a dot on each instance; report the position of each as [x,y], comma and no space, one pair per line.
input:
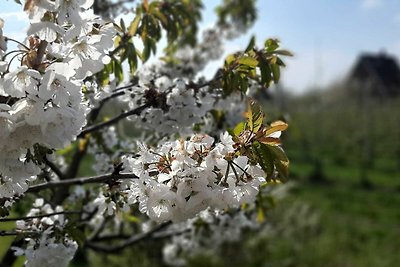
[146,50]
[134,25]
[132,60]
[283,170]
[283,53]
[118,71]
[279,154]
[255,116]
[153,46]
[281,161]
[264,158]
[153,6]
[271,45]
[276,72]
[163,19]
[248,61]
[265,73]
[239,128]
[251,44]
[122,24]
[229,59]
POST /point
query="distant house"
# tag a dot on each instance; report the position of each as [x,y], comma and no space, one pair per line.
[376,75]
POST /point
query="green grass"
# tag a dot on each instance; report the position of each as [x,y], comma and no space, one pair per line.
[5,241]
[358,226]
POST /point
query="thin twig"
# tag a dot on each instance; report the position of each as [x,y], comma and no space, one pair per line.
[80,181]
[16,41]
[124,87]
[95,111]
[13,233]
[40,216]
[112,121]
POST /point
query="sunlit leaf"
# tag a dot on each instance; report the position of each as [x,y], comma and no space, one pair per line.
[271,45]
[254,115]
[134,25]
[240,127]
[275,127]
[248,61]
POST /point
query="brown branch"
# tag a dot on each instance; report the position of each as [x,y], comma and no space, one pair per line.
[112,121]
[54,168]
[95,111]
[80,181]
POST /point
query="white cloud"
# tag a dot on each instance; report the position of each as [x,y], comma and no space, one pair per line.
[371,4]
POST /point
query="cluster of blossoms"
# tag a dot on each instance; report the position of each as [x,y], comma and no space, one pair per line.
[175,107]
[181,178]
[41,100]
[49,247]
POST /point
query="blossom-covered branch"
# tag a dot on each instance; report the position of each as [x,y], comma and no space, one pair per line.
[188,156]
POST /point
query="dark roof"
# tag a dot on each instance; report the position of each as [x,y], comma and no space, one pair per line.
[379,71]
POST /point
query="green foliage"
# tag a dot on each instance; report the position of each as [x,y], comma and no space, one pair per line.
[260,66]
[178,19]
[258,143]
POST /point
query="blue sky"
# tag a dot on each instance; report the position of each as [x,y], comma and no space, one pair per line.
[326,36]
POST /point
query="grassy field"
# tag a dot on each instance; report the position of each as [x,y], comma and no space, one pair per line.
[358,226]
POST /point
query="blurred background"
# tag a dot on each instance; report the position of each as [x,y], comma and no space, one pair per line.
[341,97]
[340,94]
